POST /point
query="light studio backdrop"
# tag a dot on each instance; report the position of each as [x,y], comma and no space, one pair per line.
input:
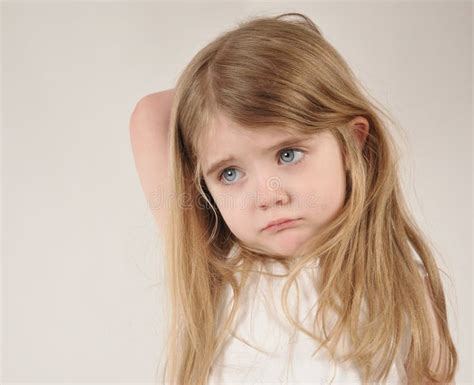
[82,291]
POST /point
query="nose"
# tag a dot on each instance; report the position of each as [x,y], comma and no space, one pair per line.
[270,192]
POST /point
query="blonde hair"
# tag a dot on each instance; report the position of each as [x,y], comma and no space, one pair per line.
[279,71]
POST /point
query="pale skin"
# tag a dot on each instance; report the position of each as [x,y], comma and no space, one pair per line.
[264,186]
[304,181]
[149,139]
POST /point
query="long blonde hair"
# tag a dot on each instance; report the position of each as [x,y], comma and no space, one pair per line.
[281,71]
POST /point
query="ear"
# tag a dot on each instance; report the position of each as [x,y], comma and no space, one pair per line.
[360,128]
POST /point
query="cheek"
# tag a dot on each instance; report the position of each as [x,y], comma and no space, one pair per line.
[233,211]
[233,201]
[327,195]
[321,187]
[228,203]
[238,222]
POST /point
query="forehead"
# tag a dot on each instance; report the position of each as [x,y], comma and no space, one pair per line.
[224,136]
[225,141]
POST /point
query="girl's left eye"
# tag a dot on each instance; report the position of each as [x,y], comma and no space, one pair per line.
[287,153]
[291,151]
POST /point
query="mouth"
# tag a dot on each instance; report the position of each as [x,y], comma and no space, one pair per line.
[281,224]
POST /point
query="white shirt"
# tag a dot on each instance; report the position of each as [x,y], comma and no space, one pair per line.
[285,356]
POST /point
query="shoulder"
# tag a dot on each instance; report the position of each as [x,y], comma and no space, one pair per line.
[421,268]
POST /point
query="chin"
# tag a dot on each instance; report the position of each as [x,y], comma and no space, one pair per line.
[288,251]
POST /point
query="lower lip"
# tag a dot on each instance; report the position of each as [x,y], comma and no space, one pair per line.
[282,225]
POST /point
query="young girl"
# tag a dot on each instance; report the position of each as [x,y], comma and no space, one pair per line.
[290,253]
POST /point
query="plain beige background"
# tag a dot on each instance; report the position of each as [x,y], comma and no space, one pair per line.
[82,297]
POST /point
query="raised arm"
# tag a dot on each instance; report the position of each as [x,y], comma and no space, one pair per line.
[149,126]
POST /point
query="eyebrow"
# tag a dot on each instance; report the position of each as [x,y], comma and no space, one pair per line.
[286,142]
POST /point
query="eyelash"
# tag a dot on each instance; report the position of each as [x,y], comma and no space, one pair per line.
[220,177]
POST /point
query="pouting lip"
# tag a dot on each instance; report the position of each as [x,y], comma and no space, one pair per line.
[278,221]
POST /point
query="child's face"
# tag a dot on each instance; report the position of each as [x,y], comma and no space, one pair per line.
[259,186]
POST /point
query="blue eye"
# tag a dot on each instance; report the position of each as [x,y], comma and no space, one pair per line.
[227,171]
[288,154]
[291,151]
